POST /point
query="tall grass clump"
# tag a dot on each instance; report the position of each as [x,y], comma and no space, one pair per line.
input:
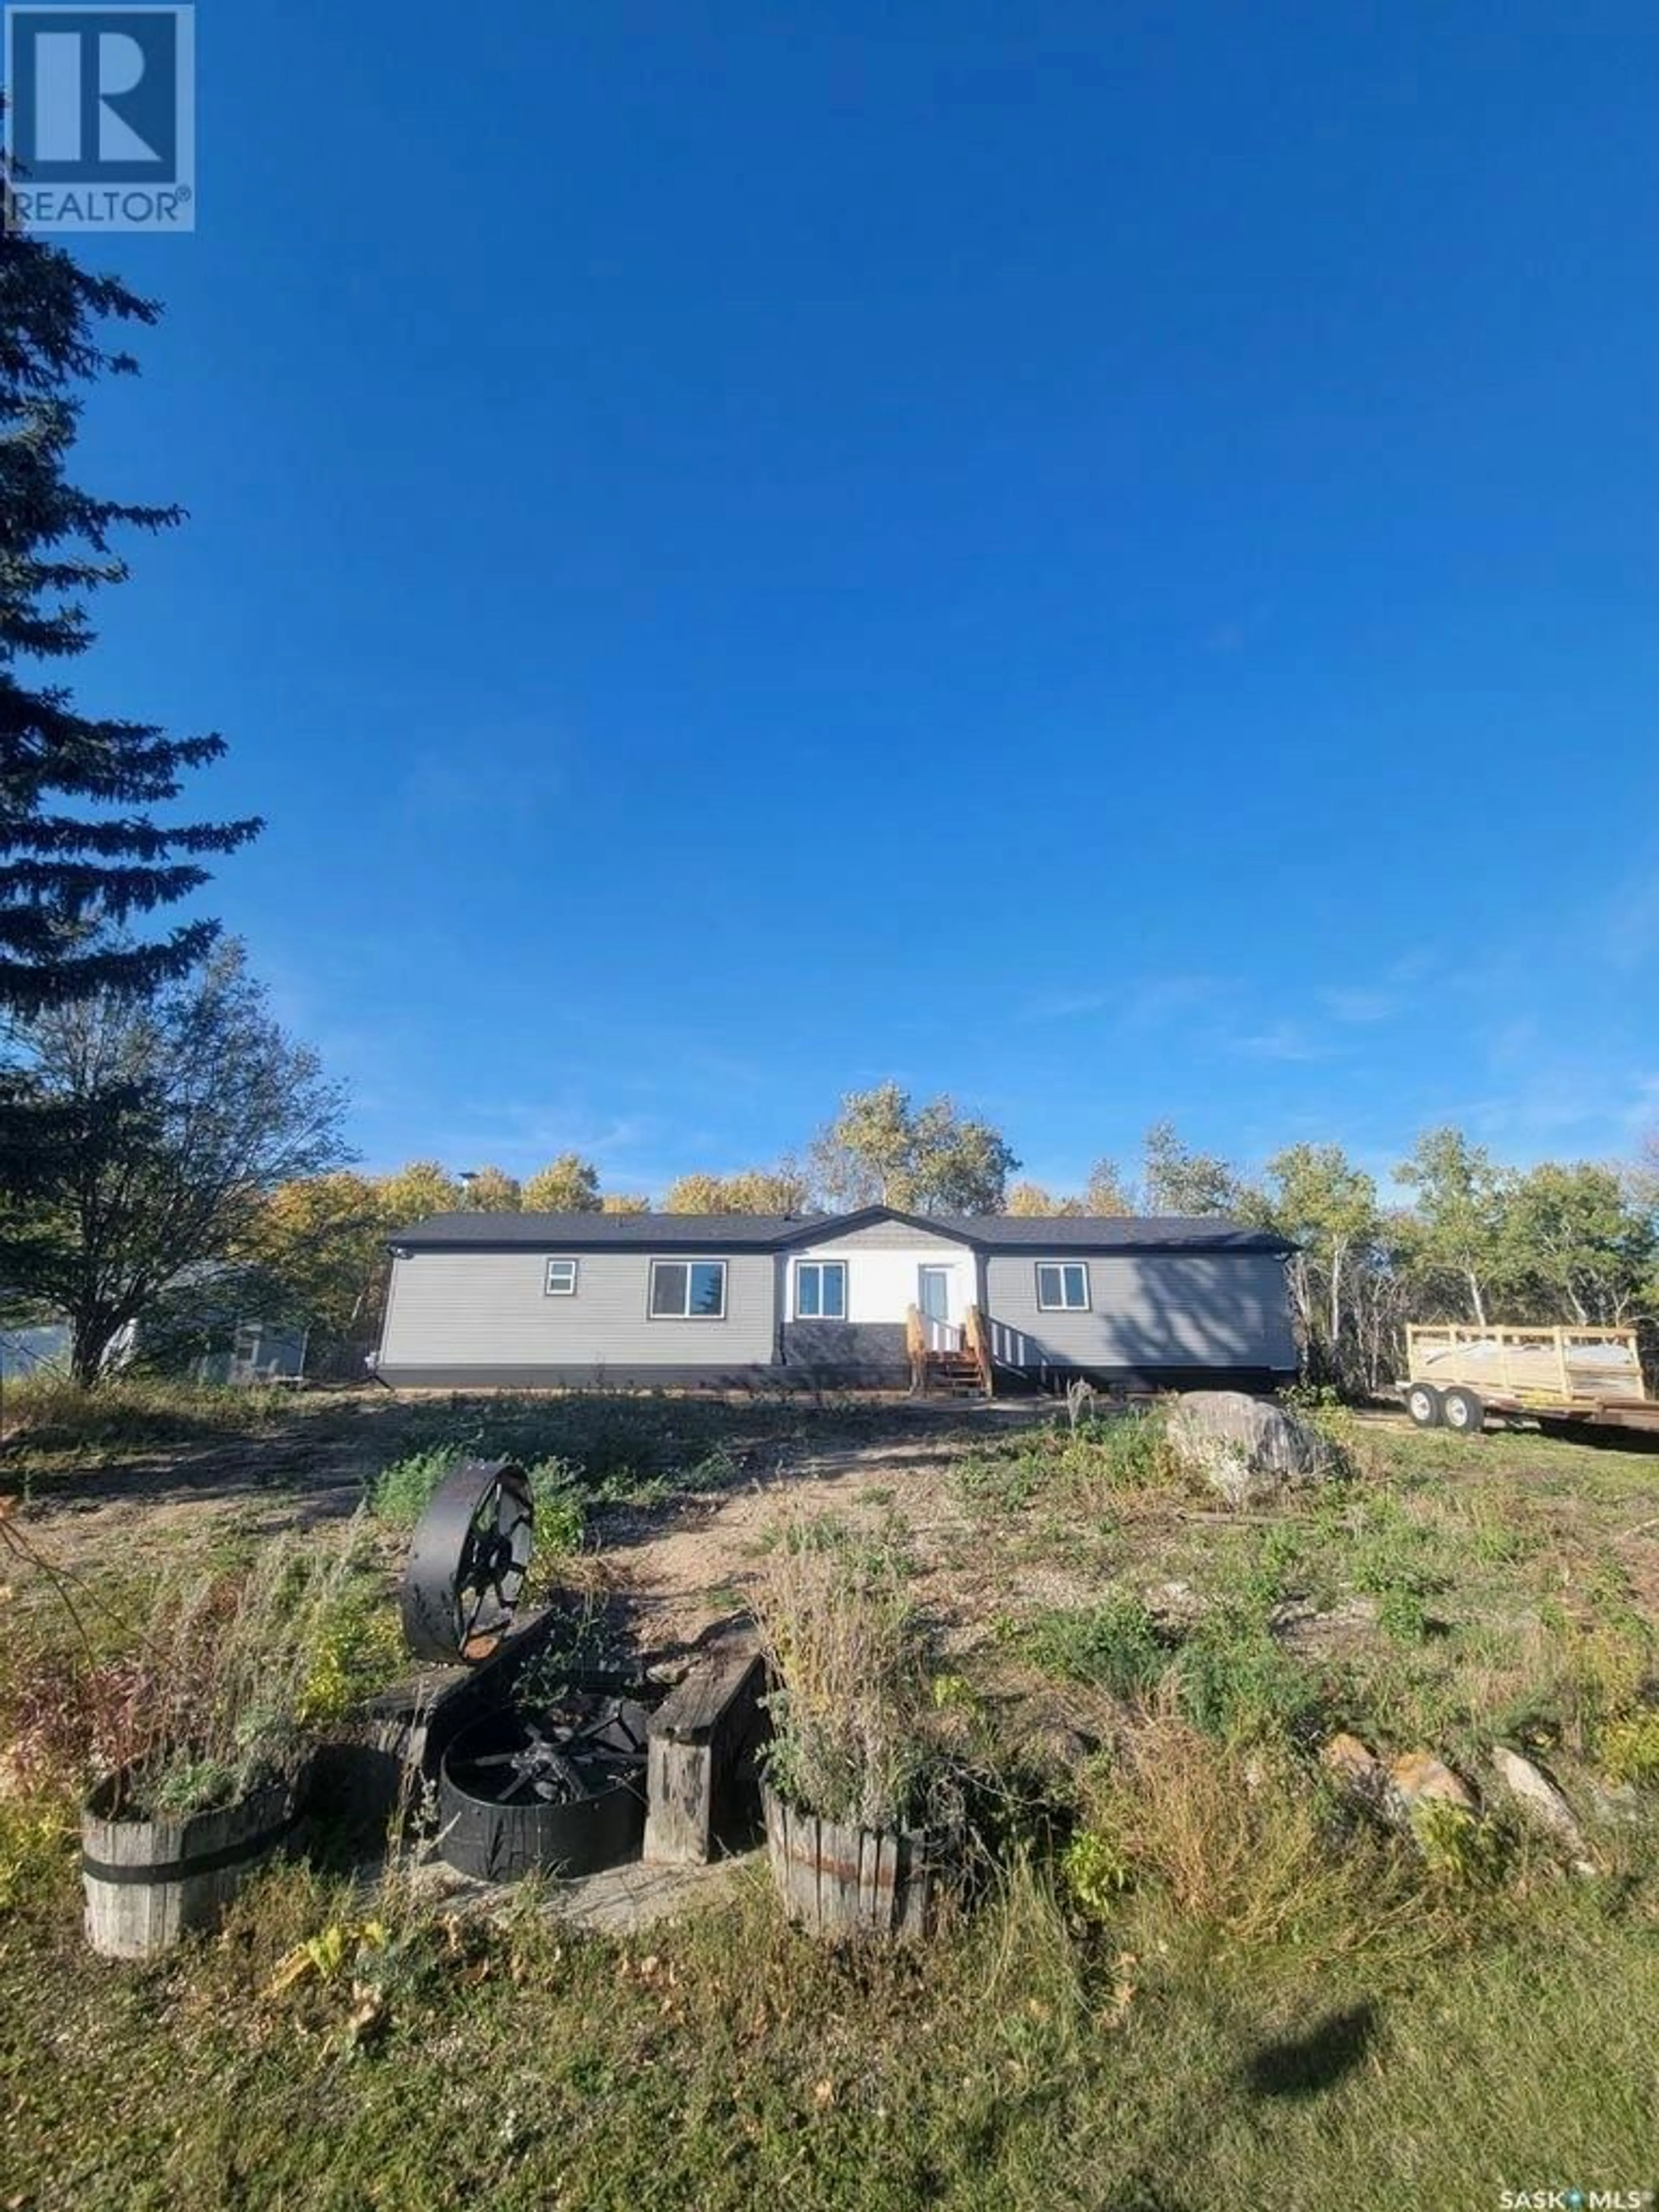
[1243,1845]
[854,1731]
[227,1676]
[49,1412]
[1086,1465]
[1104,1460]
[210,1686]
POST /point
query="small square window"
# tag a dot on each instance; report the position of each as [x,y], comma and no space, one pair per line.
[821,1290]
[561,1279]
[1062,1286]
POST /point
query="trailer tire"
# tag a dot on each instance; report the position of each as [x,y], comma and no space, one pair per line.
[1463,1412]
[1423,1404]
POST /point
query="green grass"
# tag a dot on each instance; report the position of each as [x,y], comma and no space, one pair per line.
[1112,1646]
[400,1494]
[1209,1981]
[1147,2058]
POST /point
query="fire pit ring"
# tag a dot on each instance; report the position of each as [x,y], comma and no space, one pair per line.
[559,1789]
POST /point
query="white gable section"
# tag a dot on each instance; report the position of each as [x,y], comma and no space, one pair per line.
[884,1263]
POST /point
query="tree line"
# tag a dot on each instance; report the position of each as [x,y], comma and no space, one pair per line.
[1576,1243]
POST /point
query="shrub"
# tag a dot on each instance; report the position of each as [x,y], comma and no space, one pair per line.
[1233,1679]
[1462,1849]
[358,1650]
[1112,1646]
[1094,1873]
[400,1493]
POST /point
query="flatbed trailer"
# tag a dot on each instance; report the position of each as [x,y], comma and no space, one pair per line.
[1569,1381]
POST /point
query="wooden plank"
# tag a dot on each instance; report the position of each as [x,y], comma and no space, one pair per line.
[679,1802]
[838,1876]
[700,1782]
[1644,1416]
[694,1709]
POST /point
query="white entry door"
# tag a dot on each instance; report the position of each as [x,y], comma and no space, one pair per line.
[934,1299]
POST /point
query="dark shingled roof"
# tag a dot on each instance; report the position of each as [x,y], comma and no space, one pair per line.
[565,1232]
[752,1232]
[1110,1232]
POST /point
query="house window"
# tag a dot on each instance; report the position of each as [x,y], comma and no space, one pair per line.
[687,1289]
[1062,1286]
[561,1279]
[821,1290]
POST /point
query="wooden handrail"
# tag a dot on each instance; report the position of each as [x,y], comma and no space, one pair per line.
[978,1341]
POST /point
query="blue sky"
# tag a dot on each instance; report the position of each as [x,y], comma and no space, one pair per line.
[1102,560]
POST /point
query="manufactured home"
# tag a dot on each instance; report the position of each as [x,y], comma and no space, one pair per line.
[876,1299]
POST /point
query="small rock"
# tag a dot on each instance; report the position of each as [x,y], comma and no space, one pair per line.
[1175,1603]
[1418,1777]
[1536,1795]
[1356,1769]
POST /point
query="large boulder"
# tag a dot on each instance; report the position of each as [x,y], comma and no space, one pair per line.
[1249,1450]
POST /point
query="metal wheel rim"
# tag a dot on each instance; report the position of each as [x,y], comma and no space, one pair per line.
[607,1752]
[468,1562]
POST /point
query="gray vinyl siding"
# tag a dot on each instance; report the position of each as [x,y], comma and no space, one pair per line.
[456,1311]
[1226,1311]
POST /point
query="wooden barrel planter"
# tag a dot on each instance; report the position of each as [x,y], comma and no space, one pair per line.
[148,1882]
[844,1882]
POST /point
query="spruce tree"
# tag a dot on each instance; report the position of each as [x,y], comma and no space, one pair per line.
[81,854]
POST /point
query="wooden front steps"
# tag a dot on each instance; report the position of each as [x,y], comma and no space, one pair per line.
[952,1374]
[962,1370]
